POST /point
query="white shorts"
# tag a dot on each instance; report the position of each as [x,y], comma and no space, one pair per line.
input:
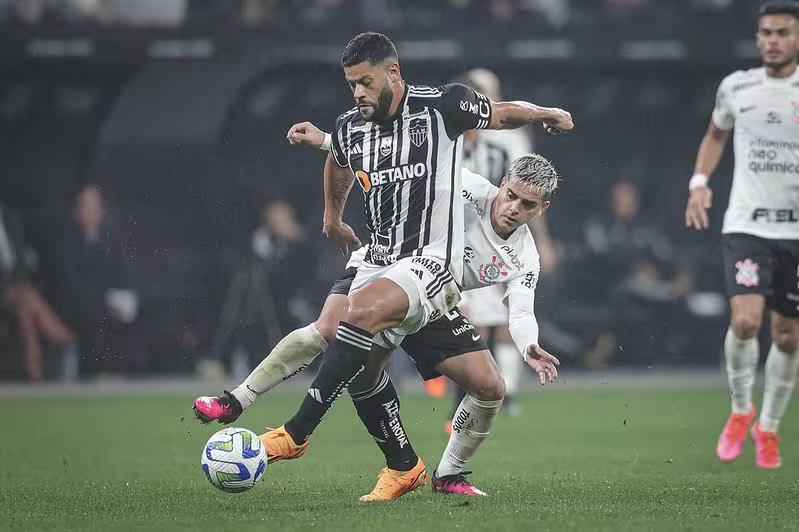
[430,288]
[485,307]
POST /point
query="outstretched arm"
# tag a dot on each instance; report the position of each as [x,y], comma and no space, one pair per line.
[512,115]
[700,196]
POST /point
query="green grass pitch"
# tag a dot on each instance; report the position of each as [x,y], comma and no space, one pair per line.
[576,460]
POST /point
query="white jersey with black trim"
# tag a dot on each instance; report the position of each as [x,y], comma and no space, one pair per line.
[409,168]
[764,111]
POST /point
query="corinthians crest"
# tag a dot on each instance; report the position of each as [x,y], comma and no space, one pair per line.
[418,133]
[491,272]
[747,274]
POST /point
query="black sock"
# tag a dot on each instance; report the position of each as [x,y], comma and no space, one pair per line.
[341,363]
[379,410]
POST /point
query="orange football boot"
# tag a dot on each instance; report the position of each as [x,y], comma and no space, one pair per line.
[280,445]
[393,484]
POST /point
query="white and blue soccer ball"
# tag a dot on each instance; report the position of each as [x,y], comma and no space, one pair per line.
[234,459]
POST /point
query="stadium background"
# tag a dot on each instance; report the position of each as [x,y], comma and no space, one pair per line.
[177,110]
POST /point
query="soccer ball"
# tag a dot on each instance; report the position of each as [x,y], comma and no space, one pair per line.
[234,460]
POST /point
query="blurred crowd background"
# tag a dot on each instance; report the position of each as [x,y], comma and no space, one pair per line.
[155,220]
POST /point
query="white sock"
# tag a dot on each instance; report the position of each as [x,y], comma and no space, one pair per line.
[289,357]
[781,368]
[510,365]
[741,356]
[470,426]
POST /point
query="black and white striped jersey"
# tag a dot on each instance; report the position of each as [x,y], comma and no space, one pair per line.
[409,169]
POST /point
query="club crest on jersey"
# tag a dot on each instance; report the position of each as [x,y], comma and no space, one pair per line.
[747,273]
[493,271]
[418,134]
[385,146]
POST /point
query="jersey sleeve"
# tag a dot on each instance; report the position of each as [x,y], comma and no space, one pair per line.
[463,108]
[339,147]
[520,296]
[724,112]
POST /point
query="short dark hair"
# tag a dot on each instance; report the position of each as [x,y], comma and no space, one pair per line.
[371,47]
[779,7]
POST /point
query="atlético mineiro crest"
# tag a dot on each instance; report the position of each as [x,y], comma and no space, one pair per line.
[491,272]
[418,133]
[747,273]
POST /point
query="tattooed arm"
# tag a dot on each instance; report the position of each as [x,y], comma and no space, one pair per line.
[337,185]
[512,115]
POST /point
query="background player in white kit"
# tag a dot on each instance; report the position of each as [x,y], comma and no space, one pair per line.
[760,235]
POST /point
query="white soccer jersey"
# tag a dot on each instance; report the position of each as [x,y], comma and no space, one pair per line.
[409,168]
[764,111]
[488,259]
[491,154]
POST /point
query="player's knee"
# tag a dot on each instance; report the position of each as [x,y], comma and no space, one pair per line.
[745,326]
[786,341]
[490,389]
[364,316]
[326,328]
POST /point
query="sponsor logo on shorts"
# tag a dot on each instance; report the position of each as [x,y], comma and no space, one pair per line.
[493,271]
[457,331]
[747,273]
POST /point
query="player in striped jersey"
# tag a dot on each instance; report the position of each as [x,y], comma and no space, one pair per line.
[495,228]
[403,144]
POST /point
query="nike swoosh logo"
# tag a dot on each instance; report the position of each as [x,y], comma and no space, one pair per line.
[475,337]
[747,109]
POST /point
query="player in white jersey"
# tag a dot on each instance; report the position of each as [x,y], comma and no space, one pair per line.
[502,253]
[488,153]
[403,145]
[760,234]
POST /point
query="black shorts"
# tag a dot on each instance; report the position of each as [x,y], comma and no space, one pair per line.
[754,265]
[343,283]
[448,336]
